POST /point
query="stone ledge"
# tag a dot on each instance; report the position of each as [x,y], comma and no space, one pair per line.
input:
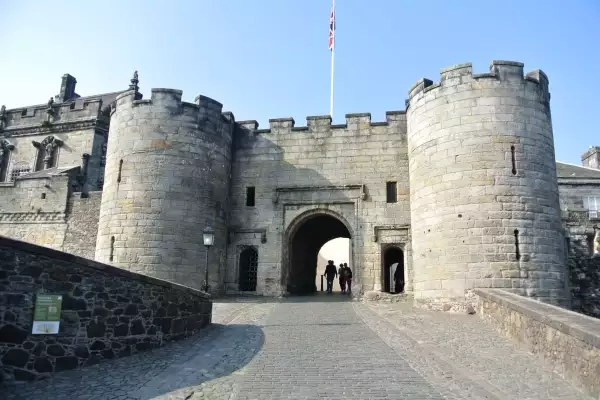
[48,252]
[582,327]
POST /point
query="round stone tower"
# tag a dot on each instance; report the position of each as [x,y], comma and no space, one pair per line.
[483,188]
[167,177]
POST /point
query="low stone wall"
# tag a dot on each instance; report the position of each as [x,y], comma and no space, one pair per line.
[106,313]
[566,340]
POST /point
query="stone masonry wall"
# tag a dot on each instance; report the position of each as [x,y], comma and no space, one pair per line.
[167,177]
[569,342]
[82,224]
[107,312]
[297,171]
[484,195]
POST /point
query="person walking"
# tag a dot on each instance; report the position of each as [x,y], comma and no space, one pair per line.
[348,278]
[330,274]
[342,280]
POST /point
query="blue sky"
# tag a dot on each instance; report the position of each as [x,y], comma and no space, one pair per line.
[268,58]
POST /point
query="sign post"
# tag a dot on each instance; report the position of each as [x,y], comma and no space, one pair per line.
[46,316]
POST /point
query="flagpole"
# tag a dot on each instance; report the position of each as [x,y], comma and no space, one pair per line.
[332,64]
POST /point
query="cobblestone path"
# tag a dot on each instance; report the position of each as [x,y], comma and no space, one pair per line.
[319,348]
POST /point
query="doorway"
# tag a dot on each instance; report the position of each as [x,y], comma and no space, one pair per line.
[305,242]
[393,263]
[248,269]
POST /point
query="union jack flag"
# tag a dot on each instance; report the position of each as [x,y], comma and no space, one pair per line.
[332,28]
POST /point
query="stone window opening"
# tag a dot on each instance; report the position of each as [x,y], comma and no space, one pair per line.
[250,196]
[5,153]
[43,196]
[248,270]
[18,171]
[112,248]
[514,162]
[517,251]
[120,169]
[72,106]
[391,192]
[24,113]
[591,204]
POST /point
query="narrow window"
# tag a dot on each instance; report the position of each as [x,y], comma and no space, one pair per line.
[24,113]
[514,162]
[568,242]
[392,193]
[517,252]
[120,169]
[43,196]
[112,248]
[72,106]
[250,196]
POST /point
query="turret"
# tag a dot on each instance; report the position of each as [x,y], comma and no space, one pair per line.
[483,188]
[167,177]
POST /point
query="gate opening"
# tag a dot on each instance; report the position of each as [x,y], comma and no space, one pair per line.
[303,251]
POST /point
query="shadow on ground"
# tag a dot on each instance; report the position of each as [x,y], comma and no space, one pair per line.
[180,366]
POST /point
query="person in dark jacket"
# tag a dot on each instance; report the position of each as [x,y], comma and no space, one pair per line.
[341,277]
[348,278]
[330,274]
[399,280]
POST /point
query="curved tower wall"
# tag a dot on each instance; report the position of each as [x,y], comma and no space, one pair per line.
[468,206]
[167,177]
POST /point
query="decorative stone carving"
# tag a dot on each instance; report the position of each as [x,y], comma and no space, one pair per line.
[2,117]
[103,156]
[134,82]
[49,146]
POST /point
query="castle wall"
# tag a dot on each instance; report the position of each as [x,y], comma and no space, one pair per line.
[25,215]
[166,178]
[481,219]
[82,224]
[296,170]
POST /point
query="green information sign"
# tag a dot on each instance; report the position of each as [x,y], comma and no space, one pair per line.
[46,316]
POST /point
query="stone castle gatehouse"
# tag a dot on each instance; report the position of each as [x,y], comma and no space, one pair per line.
[461,188]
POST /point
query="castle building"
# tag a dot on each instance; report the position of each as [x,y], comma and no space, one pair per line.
[461,190]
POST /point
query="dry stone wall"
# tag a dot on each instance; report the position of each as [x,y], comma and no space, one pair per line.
[107,312]
[483,187]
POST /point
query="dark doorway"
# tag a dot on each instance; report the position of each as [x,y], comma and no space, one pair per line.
[304,249]
[248,269]
[393,260]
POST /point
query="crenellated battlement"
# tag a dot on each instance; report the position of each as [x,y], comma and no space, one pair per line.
[319,123]
[171,100]
[501,73]
[51,113]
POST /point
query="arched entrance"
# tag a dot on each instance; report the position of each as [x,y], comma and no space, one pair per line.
[306,237]
[393,262]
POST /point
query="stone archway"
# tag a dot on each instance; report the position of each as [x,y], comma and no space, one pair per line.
[393,260]
[305,237]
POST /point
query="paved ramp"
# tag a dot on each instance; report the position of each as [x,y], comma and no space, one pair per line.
[323,347]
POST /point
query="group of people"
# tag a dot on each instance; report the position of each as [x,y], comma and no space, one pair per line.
[345,277]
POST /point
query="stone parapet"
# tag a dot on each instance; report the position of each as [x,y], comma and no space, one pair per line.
[107,312]
[569,342]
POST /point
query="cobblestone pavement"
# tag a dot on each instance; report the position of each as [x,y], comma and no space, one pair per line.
[323,347]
